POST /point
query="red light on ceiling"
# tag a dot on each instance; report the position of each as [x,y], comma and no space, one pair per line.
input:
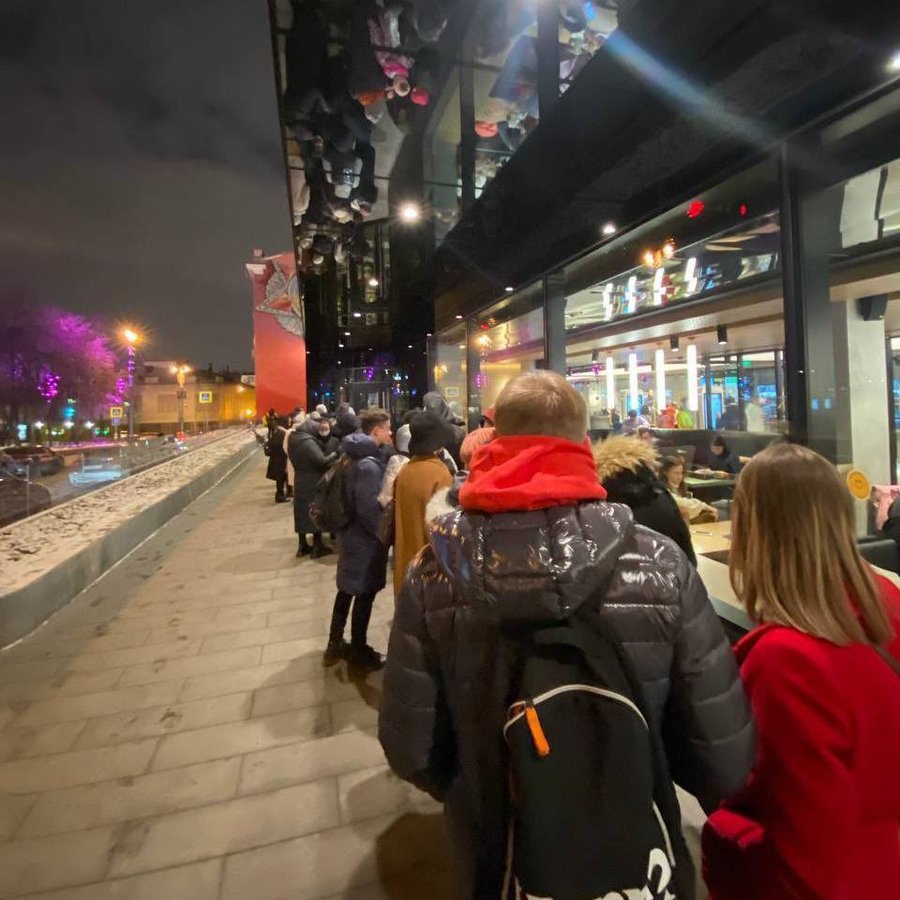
[743,209]
[696,208]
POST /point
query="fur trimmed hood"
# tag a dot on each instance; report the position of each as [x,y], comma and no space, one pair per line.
[623,453]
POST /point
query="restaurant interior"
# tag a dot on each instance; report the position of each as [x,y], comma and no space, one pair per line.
[687,312]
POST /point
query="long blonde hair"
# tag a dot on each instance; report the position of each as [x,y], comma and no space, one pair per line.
[794,559]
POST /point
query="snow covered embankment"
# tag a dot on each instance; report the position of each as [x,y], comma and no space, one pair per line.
[34,546]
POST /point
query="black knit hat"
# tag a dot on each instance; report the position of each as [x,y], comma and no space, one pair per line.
[345,424]
[429,432]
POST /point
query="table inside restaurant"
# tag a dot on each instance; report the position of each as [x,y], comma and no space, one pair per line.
[712,543]
[713,537]
[708,488]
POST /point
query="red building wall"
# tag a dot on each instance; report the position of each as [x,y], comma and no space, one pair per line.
[279,347]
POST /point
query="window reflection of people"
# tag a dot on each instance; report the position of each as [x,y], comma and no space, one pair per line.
[671,473]
[756,421]
[732,419]
[684,418]
[633,422]
[722,458]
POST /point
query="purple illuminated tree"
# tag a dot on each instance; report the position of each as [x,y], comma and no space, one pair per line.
[48,355]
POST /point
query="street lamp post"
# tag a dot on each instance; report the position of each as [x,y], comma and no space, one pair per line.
[179,372]
[131,340]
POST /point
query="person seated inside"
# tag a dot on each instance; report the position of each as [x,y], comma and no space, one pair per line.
[723,462]
[695,511]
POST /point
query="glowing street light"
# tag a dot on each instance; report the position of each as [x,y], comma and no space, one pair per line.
[373,282]
[131,336]
[179,372]
[894,64]
[609,229]
[410,212]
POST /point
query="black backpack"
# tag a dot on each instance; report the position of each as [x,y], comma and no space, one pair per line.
[593,811]
[329,508]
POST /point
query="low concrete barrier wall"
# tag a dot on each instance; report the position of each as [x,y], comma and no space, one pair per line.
[26,606]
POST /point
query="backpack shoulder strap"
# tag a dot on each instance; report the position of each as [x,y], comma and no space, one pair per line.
[887,657]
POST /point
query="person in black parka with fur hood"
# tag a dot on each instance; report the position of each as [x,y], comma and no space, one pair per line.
[627,467]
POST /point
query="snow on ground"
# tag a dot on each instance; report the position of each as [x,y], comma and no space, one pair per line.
[32,546]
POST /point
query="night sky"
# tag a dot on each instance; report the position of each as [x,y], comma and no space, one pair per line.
[141,164]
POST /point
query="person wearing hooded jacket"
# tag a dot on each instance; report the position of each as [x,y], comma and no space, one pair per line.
[395,464]
[311,450]
[435,402]
[533,513]
[362,558]
[415,485]
[627,467]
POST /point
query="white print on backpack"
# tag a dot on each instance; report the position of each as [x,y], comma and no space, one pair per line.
[657,867]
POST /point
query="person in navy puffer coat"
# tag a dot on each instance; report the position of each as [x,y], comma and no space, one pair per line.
[362,560]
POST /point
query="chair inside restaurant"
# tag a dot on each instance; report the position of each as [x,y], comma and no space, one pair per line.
[881,552]
[687,454]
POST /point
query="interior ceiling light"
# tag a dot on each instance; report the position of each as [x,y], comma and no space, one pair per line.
[357,315]
[648,259]
[346,334]
[894,64]
[409,212]
[722,335]
[509,289]
[373,282]
[459,318]
[609,229]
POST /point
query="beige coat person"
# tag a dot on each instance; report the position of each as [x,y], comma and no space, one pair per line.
[415,485]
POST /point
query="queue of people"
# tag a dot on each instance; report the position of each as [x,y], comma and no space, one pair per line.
[547,568]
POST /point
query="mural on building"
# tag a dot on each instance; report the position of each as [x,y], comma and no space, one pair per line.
[279,347]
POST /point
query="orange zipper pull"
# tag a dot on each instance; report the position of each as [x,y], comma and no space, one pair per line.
[538,738]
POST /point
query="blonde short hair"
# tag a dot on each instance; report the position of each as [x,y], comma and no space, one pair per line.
[541,403]
[794,559]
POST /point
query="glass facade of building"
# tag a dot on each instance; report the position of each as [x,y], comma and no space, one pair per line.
[491,102]
[694,320]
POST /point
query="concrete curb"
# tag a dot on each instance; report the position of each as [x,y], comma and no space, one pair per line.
[24,609]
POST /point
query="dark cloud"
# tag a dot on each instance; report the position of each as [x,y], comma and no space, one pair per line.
[144,163]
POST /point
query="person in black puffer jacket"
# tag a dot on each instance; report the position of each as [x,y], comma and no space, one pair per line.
[312,450]
[276,468]
[535,543]
[627,467]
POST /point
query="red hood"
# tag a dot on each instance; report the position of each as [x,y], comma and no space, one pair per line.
[530,472]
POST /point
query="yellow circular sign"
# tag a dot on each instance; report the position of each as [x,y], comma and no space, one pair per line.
[858,484]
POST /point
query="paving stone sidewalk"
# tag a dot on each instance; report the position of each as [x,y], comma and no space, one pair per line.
[172,733]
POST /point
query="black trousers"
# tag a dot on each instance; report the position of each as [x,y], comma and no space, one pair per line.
[279,485]
[362,612]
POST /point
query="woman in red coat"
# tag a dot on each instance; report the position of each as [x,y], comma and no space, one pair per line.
[819,818]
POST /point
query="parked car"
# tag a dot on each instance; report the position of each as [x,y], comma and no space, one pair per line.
[11,466]
[99,466]
[42,460]
[20,498]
